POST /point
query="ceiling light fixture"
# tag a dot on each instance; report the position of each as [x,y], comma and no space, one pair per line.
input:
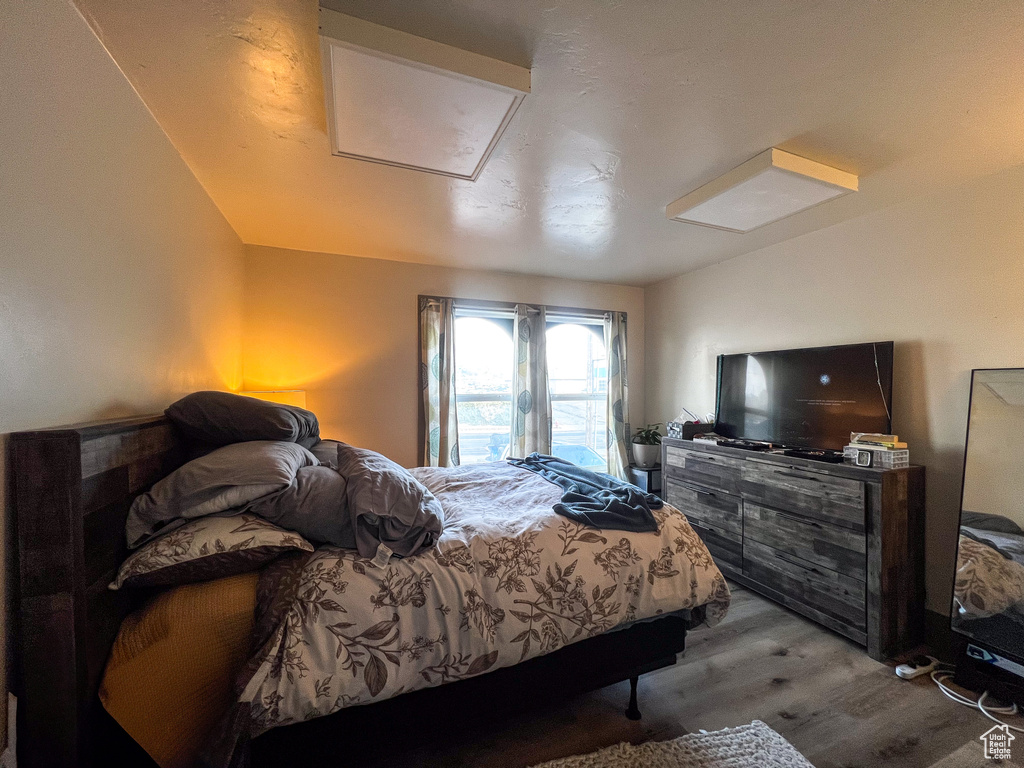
[771,186]
[403,100]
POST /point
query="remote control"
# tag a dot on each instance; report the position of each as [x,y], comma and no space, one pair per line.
[917,666]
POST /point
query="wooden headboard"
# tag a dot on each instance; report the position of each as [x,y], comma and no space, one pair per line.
[72,490]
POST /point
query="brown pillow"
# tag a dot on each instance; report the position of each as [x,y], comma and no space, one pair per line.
[221,418]
[208,548]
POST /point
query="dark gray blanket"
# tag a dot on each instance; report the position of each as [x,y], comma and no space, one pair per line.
[595,499]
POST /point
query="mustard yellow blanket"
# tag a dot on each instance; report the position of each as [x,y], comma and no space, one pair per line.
[171,673]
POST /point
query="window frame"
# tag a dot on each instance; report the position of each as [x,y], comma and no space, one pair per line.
[600,399]
[505,310]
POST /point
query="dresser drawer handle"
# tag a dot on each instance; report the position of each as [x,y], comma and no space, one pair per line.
[705,527]
[785,559]
[695,489]
[798,477]
[797,518]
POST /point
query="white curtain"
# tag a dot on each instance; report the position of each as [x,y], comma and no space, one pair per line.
[437,380]
[531,400]
[618,394]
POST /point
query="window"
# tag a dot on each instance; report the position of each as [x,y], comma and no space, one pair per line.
[483,384]
[578,382]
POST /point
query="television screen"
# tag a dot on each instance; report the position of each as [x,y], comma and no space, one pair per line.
[806,398]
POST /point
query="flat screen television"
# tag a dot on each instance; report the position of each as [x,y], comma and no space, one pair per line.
[806,398]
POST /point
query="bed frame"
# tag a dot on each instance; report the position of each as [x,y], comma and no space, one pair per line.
[72,487]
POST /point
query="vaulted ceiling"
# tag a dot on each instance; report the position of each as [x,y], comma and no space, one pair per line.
[633,105]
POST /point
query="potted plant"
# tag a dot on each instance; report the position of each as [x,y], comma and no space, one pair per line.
[647,446]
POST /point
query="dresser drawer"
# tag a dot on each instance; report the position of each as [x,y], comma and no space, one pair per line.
[725,547]
[832,546]
[714,507]
[822,497]
[822,589]
[717,472]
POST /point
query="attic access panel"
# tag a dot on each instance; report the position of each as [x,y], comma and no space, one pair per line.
[403,100]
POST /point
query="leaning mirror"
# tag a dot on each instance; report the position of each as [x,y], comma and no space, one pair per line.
[988,595]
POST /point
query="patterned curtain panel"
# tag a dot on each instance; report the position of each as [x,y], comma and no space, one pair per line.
[618,394]
[437,380]
[531,401]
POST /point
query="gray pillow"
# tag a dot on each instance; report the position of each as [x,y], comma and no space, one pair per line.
[989,522]
[326,451]
[387,504]
[224,481]
[315,505]
[221,418]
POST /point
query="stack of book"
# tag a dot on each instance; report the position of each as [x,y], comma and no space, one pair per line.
[884,451]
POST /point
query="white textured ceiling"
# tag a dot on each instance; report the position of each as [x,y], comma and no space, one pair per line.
[633,105]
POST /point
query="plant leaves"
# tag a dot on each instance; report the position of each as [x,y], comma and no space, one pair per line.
[482,663]
[375,675]
[380,630]
[521,636]
[323,687]
[252,525]
[592,538]
[522,616]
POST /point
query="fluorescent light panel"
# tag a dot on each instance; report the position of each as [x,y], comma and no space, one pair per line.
[766,188]
[403,100]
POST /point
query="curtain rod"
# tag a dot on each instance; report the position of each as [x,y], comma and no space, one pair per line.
[490,304]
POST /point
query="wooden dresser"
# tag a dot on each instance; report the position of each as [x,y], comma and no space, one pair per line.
[843,545]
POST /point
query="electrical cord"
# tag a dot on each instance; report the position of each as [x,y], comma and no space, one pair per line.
[940,676]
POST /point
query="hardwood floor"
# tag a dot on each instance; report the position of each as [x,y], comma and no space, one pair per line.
[819,690]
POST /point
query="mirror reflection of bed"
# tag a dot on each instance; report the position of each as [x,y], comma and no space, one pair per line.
[988,601]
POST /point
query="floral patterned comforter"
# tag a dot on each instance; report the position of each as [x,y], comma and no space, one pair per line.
[509,580]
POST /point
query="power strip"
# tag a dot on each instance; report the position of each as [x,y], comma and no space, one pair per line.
[916,667]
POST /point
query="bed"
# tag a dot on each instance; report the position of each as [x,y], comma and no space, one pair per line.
[73,487]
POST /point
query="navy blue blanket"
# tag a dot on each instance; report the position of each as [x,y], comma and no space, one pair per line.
[595,499]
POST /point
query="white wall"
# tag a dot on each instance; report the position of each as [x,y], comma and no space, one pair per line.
[943,276]
[120,281]
[345,329]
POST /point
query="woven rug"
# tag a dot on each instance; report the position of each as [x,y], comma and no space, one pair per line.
[748,746]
